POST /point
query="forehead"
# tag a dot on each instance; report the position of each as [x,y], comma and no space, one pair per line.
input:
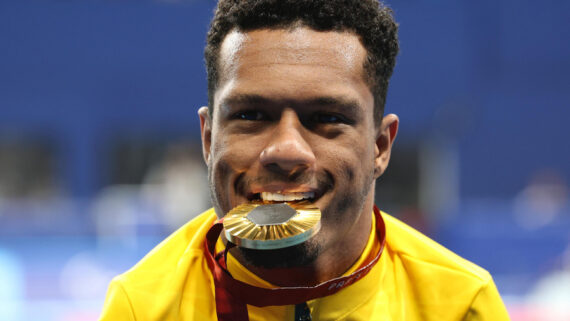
[292,58]
[298,45]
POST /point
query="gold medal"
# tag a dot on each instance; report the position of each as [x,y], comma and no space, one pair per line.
[267,226]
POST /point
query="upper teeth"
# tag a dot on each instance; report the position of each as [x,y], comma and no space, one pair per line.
[267,196]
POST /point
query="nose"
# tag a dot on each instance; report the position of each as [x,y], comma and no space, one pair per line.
[287,151]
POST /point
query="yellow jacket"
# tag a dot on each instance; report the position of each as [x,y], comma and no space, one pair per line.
[415,279]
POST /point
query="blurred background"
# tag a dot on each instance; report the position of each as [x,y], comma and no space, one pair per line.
[100,156]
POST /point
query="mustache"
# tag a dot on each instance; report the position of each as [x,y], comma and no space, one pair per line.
[322,181]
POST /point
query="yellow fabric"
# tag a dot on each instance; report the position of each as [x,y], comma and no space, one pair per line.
[415,279]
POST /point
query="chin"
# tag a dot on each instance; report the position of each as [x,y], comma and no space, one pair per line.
[299,255]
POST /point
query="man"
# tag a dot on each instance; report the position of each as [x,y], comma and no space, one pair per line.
[296,104]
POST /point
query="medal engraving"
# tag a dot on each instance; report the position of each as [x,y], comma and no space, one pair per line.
[266,226]
[271,214]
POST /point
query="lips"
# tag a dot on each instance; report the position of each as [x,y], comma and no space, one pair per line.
[266,189]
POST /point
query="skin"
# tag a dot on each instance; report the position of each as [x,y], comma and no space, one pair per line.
[293,113]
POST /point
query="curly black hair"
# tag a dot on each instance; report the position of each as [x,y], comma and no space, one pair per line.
[370,20]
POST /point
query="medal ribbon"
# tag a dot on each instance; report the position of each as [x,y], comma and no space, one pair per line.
[232,296]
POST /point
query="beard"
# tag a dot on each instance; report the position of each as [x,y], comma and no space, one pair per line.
[299,255]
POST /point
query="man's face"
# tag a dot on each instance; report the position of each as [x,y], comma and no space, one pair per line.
[293,119]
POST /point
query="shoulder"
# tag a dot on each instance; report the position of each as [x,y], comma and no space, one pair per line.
[185,242]
[160,281]
[436,283]
[414,248]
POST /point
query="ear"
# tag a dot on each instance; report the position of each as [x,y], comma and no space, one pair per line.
[205,131]
[385,136]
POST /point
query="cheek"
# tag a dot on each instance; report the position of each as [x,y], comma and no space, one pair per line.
[350,160]
[218,169]
[233,153]
[230,157]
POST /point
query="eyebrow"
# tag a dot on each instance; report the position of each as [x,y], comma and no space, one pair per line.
[341,103]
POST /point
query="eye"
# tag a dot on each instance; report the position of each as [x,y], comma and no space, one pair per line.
[249,115]
[326,118]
